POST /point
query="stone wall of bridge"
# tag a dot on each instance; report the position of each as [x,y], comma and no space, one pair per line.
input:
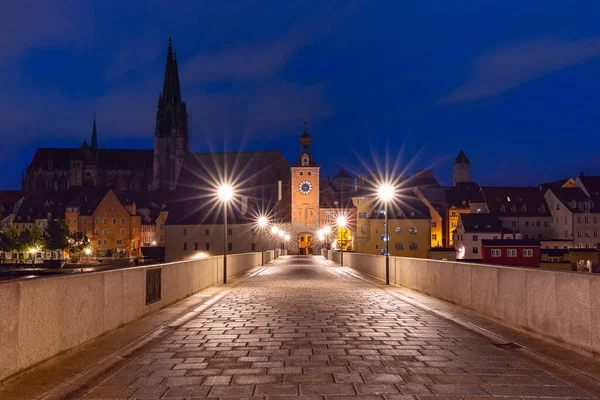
[555,304]
[45,316]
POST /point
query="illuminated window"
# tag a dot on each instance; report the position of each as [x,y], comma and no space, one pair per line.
[496,252]
[398,231]
[413,230]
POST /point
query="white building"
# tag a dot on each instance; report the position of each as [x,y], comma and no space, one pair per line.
[472,229]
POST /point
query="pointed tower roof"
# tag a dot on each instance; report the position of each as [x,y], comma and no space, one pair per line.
[94,135]
[171,92]
[462,158]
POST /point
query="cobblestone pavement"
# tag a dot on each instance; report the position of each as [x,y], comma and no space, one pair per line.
[305,328]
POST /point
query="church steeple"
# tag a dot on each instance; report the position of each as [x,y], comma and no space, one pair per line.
[171,93]
[94,135]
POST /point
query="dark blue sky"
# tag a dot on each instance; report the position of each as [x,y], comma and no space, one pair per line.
[513,83]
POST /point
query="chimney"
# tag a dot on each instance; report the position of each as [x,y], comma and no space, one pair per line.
[279,191]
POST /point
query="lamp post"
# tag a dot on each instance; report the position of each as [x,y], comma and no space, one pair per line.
[225,193]
[88,252]
[342,221]
[262,224]
[32,251]
[386,193]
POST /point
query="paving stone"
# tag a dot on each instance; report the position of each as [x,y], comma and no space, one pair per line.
[307,330]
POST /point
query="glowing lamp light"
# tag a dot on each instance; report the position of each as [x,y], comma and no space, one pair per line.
[287,237]
[32,250]
[386,192]
[281,234]
[320,236]
[225,192]
[154,243]
[200,255]
[327,230]
[88,251]
[342,221]
[263,221]
[275,230]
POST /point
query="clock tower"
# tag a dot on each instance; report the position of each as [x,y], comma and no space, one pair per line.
[305,189]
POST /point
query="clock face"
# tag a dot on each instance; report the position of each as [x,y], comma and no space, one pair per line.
[305,187]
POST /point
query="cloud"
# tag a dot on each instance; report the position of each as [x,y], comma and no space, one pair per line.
[507,68]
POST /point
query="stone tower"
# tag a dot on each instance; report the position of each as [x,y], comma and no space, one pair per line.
[462,169]
[305,187]
[171,137]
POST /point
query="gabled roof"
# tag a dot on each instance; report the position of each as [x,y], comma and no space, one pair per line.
[253,174]
[511,242]
[342,174]
[591,184]
[569,195]
[408,206]
[481,223]
[462,196]
[553,185]
[515,201]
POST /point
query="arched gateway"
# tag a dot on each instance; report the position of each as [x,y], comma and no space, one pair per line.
[305,244]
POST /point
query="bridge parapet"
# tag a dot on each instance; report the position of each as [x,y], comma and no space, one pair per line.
[554,304]
[43,317]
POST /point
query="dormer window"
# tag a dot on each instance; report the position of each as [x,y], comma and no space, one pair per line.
[513,208]
[305,160]
[502,208]
[524,208]
[573,204]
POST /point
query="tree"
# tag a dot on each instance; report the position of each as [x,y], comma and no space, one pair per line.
[56,236]
[30,239]
[78,242]
[9,241]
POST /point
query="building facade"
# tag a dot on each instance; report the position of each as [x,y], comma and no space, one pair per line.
[514,253]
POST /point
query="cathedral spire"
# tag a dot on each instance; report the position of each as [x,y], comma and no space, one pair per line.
[94,135]
[171,93]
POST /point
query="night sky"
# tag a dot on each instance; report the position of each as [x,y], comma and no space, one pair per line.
[514,83]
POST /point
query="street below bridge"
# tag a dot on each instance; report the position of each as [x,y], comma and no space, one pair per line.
[304,327]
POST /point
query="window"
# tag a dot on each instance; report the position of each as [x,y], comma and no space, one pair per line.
[253,246]
[433,224]
[526,224]
[527,253]
[363,230]
[413,230]
[230,247]
[511,252]
[579,234]
[96,231]
[566,234]
[538,224]
[161,227]
[195,245]
[106,209]
[207,246]
[97,221]
[384,238]
[514,224]
[184,231]
[85,221]
[162,238]
[105,242]
[578,220]
[595,233]
[453,213]
[68,220]
[587,219]
[399,246]
[105,231]
[475,250]
[99,241]
[587,234]
[123,220]
[587,246]
[105,220]
[329,215]
[475,238]
[114,221]
[184,245]
[433,236]
[579,246]
[122,231]
[362,215]
[454,225]
[119,241]
[398,231]
[207,232]
[545,224]
[595,219]
[413,246]
[496,252]
[229,231]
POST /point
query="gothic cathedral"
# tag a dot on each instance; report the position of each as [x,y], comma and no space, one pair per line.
[171,137]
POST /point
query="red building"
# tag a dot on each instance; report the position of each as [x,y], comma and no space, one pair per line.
[511,252]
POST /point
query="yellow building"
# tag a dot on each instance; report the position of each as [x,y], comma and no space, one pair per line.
[409,228]
[437,236]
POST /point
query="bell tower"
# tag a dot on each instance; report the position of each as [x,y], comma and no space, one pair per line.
[305,187]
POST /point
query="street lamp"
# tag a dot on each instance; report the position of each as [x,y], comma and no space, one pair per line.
[281,235]
[341,223]
[262,224]
[386,193]
[88,252]
[225,193]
